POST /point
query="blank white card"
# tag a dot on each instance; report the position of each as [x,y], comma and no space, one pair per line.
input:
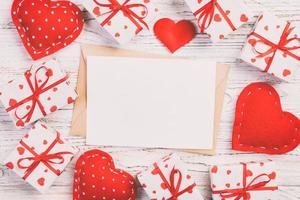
[142,102]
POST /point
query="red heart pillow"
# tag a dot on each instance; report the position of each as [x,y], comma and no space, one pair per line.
[97,178]
[174,35]
[260,124]
[46,26]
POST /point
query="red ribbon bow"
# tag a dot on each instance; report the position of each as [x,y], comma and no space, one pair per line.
[45,158]
[126,8]
[242,193]
[173,186]
[207,12]
[282,45]
[38,87]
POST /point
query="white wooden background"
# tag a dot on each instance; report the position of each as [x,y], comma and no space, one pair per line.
[14,60]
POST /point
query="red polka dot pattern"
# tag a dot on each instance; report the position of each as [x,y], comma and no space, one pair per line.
[97,178]
[46,26]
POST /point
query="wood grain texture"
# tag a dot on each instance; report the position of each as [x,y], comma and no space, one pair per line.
[14,60]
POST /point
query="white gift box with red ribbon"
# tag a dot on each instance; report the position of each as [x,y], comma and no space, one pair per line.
[41,156]
[43,89]
[244,181]
[123,19]
[168,179]
[273,47]
[218,18]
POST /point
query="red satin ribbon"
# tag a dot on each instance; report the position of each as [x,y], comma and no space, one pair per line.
[207,12]
[45,158]
[282,45]
[38,88]
[172,186]
[242,193]
[126,8]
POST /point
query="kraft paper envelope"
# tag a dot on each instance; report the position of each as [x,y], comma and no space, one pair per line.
[78,127]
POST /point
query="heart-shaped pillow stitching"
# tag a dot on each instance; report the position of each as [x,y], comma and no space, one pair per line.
[46,26]
[260,124]
[174,35]
[97,178]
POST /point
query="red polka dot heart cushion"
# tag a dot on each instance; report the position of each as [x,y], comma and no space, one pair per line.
[46,26]
[260,124]
[97,178]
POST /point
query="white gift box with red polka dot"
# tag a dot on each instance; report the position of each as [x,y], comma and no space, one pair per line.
[123,19]
[40,156]
[253,180]
[219,18]
[168,179]
[273,47]
[41,90]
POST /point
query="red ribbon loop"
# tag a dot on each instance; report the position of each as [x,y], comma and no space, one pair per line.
[172,185]
[206,15]
[282,45]
[37,88]
[242,193]
[126,8]
[175,189]
[45,158]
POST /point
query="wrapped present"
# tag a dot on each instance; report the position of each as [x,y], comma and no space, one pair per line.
[168,179]
[42,90]
[40,156]
[123,19]
[273,46]
[218,18]
[244,181]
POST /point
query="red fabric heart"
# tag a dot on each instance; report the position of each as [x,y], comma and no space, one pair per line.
[174,35]
[46,26]
[97,178]
[260,124]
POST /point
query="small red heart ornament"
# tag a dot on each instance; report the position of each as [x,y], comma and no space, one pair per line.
[41,181]
[214,169]
[260,124]
[70,100]
[46,26]
[174,35]
[244,18]
[96,11]
[217,18]
[21,150]
[10,165]
[97,178]
[286,72]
